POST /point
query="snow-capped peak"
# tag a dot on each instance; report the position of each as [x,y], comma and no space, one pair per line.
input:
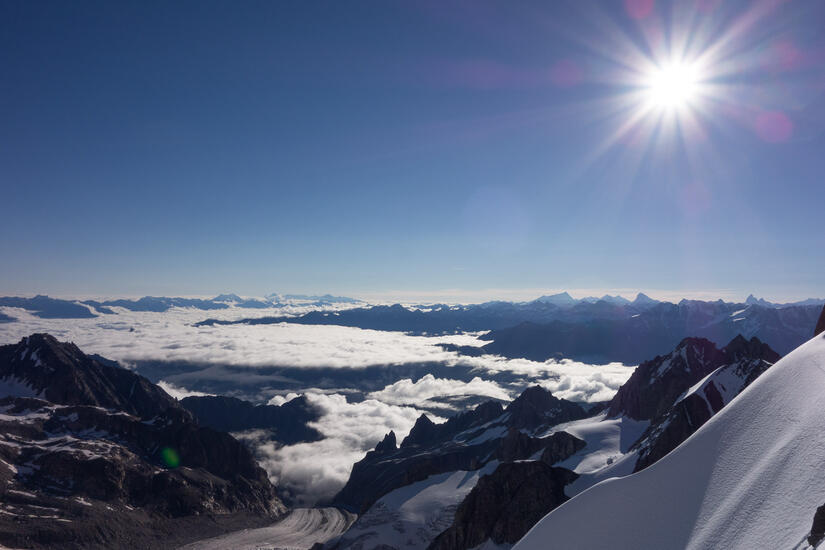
[562,299]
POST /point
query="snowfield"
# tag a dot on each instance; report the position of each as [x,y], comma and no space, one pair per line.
[606,455]
[410,517]
[751,477]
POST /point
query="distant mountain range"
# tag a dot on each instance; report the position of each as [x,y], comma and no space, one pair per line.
[652,332]
[511,313]
[56,308]
[603,331]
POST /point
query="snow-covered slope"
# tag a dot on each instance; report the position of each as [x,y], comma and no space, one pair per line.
[605,455]
[410,517]
[751,477]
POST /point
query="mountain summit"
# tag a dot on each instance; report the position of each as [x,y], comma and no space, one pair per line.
[562,299]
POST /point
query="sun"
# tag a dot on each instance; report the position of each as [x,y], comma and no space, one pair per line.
[673,86]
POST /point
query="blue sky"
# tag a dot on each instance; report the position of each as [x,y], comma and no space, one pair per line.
[381,148]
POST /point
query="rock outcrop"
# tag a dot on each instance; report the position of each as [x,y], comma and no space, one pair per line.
[537,407]
[504,505]
[820,325]
[654,385]
[818,527]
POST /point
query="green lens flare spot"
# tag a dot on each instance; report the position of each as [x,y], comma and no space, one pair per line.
[170,457]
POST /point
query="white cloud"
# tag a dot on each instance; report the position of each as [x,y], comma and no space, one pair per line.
[316,471]
[407,392]
[279,400]
[312,472]
[565,378]
[170,336]
[179,392]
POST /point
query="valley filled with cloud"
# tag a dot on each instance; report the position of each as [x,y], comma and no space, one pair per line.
[364,383]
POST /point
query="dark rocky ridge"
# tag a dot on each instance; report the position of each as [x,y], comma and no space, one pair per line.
[723,375]
[287,422]
[465,442]
[90,442]
[61,373]
[818,527]
[654,386]
[537,407]
[820,325]
[426,432]
[504,505]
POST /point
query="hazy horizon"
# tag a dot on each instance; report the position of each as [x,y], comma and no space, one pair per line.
[459,296]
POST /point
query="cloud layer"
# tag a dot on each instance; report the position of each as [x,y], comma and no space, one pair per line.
[314,472]
[170,336]
[364,382]
[407,392]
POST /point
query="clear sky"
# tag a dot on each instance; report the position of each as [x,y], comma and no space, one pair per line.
[412,147]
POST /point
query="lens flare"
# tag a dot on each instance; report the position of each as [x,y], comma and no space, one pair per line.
[170,457]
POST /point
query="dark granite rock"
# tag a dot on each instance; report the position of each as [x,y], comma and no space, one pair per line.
[654,385]
[818,527]
[387,445]
[517,445]
[732,369]
[425,432]
[504,505]
[538,407]
[820,325]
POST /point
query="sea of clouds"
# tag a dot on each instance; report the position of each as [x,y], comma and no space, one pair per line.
[364,382]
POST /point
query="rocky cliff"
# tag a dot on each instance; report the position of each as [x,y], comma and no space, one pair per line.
[95,456]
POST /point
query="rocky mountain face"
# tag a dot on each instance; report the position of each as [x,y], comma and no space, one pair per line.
[654,385]
[465,442]
[40,366]
[287,423]
[820,325]
[82,442]
[504,505]
[679,392]
[488,437]
[818,527]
